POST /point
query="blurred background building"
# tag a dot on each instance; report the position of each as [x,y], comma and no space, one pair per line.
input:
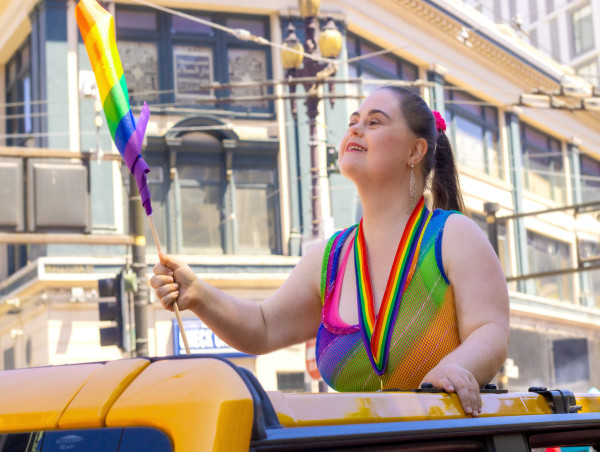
[244,162]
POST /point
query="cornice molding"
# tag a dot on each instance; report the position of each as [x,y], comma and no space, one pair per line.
[482,46]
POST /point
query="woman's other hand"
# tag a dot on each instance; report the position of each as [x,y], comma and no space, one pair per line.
[454,378]
[173,280]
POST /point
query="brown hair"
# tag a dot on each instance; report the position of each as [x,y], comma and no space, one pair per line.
[445,186]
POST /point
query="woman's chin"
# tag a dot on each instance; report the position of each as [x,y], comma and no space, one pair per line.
[351,167]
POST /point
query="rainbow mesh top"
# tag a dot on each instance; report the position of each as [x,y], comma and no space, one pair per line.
[424,331]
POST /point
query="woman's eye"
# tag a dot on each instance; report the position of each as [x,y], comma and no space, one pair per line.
[373,122]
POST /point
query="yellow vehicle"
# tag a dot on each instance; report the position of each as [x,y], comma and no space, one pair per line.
[197,403]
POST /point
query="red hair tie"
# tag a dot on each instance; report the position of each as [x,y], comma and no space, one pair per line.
[440,124]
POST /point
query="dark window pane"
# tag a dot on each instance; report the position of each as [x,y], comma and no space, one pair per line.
[290,381]
[536,138]
[158,196]
[11,72]
[193,68]
[248,66]
[254,176]
[590,179]
[200,173]
[255,211]
[383,62]
[491,115]
[140,65]
[546,254]
[20,442]
[543,160]
[201,195]
[571,361]
[27,123]
[183,25]
[9,358]
[254,26]
[351,47]
[583,30]
[201,224]
[255,220]
[494,162]
[469,143]
[467,103]
[137,20]
[410,72]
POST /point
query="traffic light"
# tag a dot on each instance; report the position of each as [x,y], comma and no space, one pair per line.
[113,310]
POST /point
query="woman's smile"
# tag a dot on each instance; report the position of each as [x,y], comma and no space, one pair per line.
[355,147]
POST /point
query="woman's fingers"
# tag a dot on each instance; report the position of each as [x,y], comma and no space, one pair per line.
[168,300]
[456,379]
[160,269]
[157,281]
[468,394]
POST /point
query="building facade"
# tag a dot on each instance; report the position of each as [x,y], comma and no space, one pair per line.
[231,172]
[567,31]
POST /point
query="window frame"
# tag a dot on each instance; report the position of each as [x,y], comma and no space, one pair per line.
[402,65]
[259,155]
[489,128]
[219,42]
[565,285]
[15,93]
[538,152]
[584,174]
[578,34]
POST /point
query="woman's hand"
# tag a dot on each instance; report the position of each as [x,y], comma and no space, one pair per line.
[454,378]
[174,280]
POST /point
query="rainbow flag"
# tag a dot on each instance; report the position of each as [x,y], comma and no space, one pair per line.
[98,32]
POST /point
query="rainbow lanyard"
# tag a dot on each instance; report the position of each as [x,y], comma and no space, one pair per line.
[377,331]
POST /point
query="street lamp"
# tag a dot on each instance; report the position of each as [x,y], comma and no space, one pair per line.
[297,61]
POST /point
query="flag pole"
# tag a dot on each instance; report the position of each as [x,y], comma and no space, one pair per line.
[175,306]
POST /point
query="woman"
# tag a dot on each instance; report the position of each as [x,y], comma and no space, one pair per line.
[444,319]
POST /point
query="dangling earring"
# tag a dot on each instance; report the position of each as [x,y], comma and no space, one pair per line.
[412,186]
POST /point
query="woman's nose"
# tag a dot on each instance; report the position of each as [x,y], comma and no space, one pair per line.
[356,129]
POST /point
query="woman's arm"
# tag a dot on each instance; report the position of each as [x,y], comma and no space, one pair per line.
[291,315]
[482,310]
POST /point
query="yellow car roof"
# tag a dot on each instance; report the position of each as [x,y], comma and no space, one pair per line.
[206,402]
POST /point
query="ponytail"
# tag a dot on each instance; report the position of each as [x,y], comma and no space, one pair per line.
[445,186]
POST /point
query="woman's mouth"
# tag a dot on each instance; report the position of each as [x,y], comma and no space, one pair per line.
[355,147]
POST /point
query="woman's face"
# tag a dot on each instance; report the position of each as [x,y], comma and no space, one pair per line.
[377,144]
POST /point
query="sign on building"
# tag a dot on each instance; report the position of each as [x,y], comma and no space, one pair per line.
[201,339]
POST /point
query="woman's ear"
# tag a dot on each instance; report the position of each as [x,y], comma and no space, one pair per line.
[417,151]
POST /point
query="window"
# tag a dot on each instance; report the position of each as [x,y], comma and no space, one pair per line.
[378,67]
[546,255]
[590,179]
[571,362]
[8,358]
[583,30]
[474,132]
[172,61]
[223,200]
[589,253]
[19,122]
[290,382]
[554,40]
[127,439]
[543,162]
[503,255]
[590,72]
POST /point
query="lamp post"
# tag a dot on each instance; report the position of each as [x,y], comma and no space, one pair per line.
[297,61]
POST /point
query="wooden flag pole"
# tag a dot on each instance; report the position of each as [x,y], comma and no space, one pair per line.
[175,306]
